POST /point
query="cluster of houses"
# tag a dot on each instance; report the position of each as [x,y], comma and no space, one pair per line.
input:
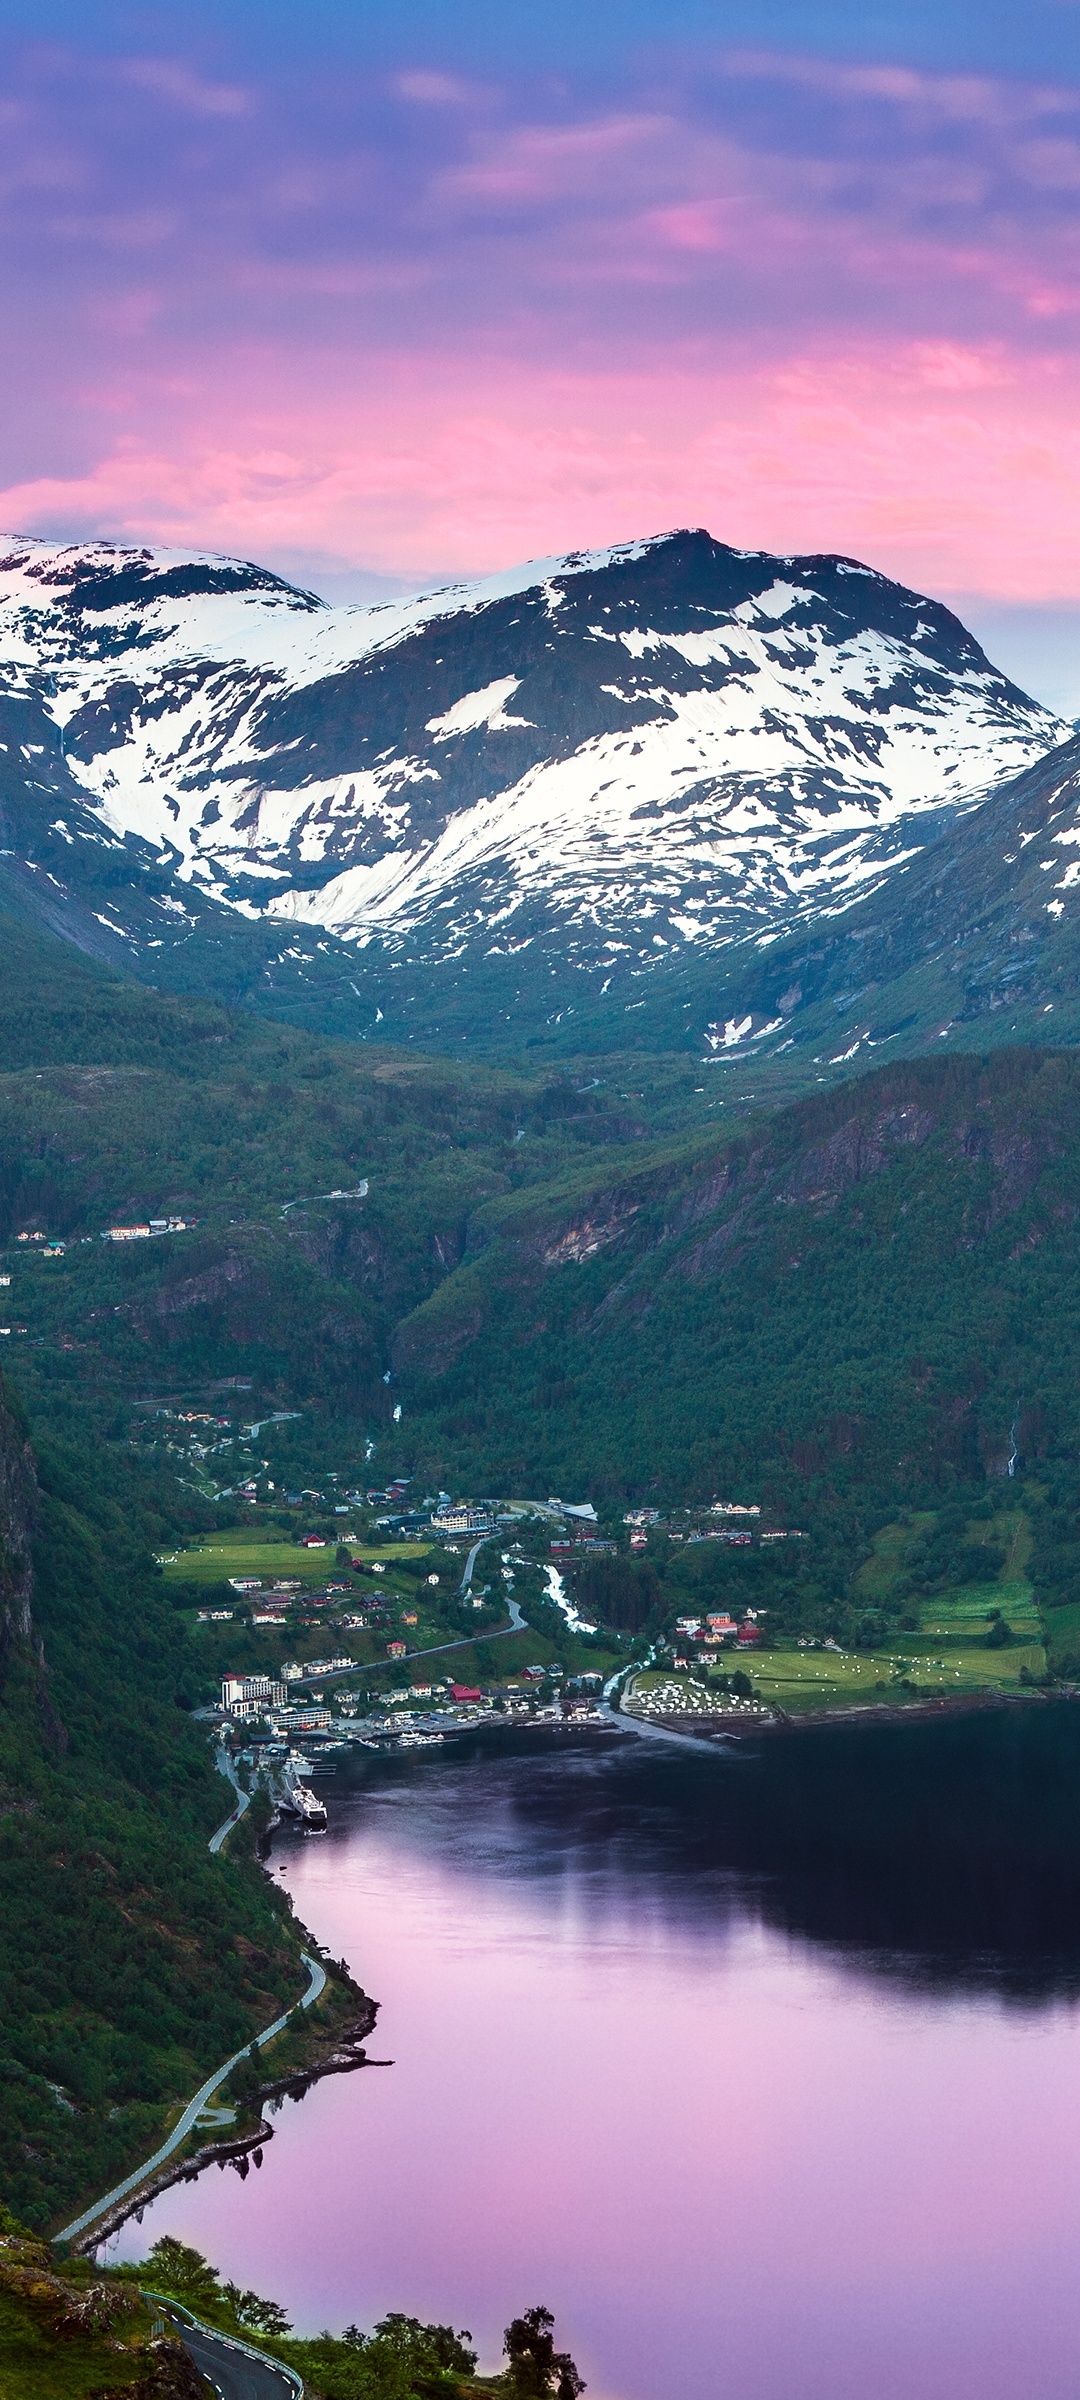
[713,1631]
[743,1531]
[147,1232]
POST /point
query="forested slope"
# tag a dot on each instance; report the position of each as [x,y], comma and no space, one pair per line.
[131,1962]
[879,1288]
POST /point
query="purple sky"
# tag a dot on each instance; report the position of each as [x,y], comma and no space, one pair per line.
[383,294]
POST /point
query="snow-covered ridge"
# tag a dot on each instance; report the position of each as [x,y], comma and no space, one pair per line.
[261,619]
[668,743]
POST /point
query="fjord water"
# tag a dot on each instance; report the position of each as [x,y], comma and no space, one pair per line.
[762,2070]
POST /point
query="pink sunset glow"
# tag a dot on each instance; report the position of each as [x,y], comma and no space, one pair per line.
[428,316]
[934,460]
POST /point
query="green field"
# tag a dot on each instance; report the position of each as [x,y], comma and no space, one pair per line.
[943,1650]
[801,1680]
[226,1554]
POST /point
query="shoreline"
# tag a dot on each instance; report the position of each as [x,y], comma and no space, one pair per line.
[704,1726]
[345,2052]
[240,2150]
[895,1712]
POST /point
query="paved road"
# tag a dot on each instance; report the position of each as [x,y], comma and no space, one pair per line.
[471,1562]
[194,2109]
[235,2373]
[369,1666]
[225,1767]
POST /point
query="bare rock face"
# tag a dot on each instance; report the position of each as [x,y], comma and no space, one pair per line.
[169,2375]
[91,2325]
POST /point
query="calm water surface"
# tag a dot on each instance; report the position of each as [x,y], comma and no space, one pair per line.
[766,2095]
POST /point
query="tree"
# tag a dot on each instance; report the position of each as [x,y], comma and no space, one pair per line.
[263,2316]
[438,2344]
[245,2078]
[178,2268]
[535,2369]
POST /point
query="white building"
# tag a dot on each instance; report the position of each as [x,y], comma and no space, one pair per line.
[250,1695]
[461,1520]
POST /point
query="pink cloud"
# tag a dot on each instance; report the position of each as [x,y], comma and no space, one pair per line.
[693,225]
[987,100]
[951,468]
[169,79]
[478,324]
[544,162]
[431,90]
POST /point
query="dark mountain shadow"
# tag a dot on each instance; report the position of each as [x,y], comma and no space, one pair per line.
[943,1857]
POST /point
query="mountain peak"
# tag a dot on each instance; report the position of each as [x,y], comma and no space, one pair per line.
[583,768]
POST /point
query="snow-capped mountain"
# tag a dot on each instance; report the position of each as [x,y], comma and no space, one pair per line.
[607,759]
[975,939]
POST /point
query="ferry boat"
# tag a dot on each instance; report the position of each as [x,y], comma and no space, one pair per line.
[302,1802]
[299,1798]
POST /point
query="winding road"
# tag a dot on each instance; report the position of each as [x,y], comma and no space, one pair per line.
[233,2371]
[193,2110]
[471,1562]
[225,1767]
[373,1666]
[195,2107]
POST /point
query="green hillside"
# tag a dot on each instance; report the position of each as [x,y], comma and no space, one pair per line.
[875,1290]
[860,1312]
[131,1962]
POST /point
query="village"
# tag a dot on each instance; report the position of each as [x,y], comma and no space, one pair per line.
[354,1614]
[415,1607]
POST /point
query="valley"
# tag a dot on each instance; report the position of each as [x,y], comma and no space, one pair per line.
[761,1249]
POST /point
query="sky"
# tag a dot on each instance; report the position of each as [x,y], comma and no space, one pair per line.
[381,295]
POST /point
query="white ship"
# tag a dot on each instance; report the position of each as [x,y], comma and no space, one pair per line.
[299,1799]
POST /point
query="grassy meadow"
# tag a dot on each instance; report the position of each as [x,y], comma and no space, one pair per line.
[240,1551]
[942,1650]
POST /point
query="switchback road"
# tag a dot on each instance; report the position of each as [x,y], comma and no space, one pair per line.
[234,2371]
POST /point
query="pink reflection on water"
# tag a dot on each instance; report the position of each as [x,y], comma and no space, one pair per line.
[729,2163]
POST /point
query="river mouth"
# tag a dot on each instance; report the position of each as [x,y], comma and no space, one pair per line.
[760,2069]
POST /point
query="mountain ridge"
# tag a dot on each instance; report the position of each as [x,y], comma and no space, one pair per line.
[585,772]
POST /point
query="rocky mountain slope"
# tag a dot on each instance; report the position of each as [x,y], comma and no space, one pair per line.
[585,773]
[975,940]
